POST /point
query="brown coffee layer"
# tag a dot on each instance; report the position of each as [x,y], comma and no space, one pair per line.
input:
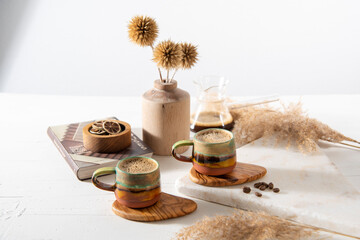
[210,118]
[135,190]
[203,159]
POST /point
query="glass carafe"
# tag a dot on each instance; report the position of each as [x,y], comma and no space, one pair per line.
[211,110]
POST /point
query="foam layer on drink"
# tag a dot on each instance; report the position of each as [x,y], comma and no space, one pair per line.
[137,165]
[213,136]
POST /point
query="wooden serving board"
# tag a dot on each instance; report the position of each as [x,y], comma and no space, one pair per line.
[168,206]
[242,173]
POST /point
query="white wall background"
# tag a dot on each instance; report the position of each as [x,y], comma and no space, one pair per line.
[81,47]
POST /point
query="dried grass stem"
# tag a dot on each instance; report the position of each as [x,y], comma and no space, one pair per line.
[289,123]
[244,225]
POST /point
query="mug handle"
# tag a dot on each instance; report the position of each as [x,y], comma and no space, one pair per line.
[100,172]
[181,144]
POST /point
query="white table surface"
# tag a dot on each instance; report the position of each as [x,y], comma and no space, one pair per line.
[40,197]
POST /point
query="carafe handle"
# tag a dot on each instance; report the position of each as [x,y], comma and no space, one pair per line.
[253,102]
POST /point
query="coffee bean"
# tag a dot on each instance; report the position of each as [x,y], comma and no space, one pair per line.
[276,190]
[246,190]
[265,184]
[262,187]
[258,194]
[271,185]
[257,185]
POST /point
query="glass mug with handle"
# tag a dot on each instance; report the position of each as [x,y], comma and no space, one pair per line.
[137,185]
[214,151]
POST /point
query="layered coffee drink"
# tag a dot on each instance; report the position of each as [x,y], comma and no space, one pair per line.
[137,182]
[214,152]
[138,165]
[211,119]
[214,136]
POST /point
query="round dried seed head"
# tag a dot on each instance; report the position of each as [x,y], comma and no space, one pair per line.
[189,55]
[167,54]
[143,30]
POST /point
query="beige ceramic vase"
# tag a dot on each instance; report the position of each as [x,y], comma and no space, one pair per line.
[165,117]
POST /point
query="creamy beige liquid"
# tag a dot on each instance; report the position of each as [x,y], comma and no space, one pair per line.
[137,165]
[214,136]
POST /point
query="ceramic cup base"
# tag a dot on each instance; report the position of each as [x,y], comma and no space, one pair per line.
[144,204]
[213,171]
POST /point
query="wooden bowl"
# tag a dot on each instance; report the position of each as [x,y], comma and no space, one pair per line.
[107,143]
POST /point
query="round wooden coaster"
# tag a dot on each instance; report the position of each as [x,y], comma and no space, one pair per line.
[242,173]
[168,206]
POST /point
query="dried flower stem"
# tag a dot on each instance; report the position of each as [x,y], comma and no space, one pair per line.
[291,123]
[143,31]
[346,144]
[152,48]
[172,78]
[161,79]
